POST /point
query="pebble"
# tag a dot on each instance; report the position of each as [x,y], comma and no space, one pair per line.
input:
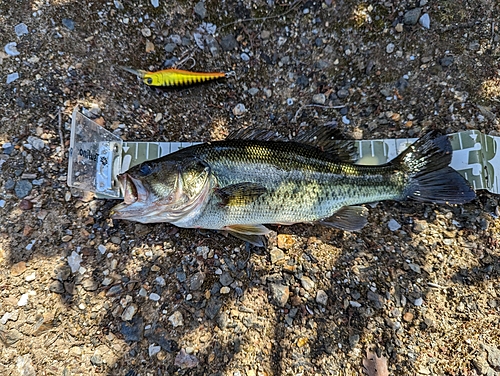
[393,225]
[414,267]
[23,188]
[69,23]
[133,331]
[252,91]
[493,356]
[153,350]
[2,203]
[213,307]
[244,56]
[307,283]
[200,10]
[446,61]
[226,279]
[12,316]
[277,255]
[239,109]
[185,360]
[319,98]
[418,302]
[74,261]
[225,290]
[21,29]
[12,337]
[399,27]
[408,317]
[18,268]
[154,297]
[346,120]
[11,49]
[155,3]
[56,287]
[102,249]
[23,300]
[129,312]
[12,77]
[228,42]
[378,300]
[176,319]
[30,277]
[279,294]
[146,32]
[343,93]
[411,17]
[90,284]
[118,5]
[321,297]
[36,142]
[354,304]
[390,48]
[425,21]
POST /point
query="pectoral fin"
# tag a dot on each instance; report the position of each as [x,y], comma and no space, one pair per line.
[254,234]
[348,218]
[240,194]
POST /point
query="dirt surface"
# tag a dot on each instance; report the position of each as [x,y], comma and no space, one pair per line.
[158,300]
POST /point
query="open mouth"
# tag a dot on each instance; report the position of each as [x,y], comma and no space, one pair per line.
[129,190]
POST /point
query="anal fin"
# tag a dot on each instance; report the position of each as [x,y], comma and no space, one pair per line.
[348,218]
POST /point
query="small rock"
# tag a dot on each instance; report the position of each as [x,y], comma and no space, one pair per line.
[239,109]
[390,48]
[153,350]
[399,27]
[21,29]
[307,283]
[253,91]
[11,49]
[23,188]
[279,294]
[493,356]
[377,299]
[12,77]
[74,261]
[414,267]
[133,331]
[393,225]
[185,360]
[319,98]
[226,279]
[228,42]
[419,225]
[411,17]
[321,297]
[446,61]
[244,56]
[118,5]
[69,23]
[225,290]
[30,277]
[154,297]
[342,93]
[155,3]
[197,281]
[181,277]
[23,300]
[25,205]
[129,312]
[354,340]
[408,317]
[277,255]
[285,241]
[346,120]
[176,319]
[36,142]
[24,366]
[418,302]
[12,316]
[425,21]
[96,360]
[56,287]
[146,32]
[200,10]
[213,307]
[18,268]
[90,284]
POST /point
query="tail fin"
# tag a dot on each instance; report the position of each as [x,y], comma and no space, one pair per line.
[430,178]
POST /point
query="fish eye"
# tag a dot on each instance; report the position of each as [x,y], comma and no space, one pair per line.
[145,169]
[149,80]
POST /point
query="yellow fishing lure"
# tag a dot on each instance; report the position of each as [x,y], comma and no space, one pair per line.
[174,77]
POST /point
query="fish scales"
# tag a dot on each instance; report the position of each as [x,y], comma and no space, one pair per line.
[302,185]
[239,185]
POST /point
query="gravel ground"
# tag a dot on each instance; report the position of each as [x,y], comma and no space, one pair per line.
[416,292]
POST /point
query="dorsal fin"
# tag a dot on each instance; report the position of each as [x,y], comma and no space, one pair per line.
[328,139]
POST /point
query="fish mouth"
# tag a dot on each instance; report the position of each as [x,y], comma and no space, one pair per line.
[134,197]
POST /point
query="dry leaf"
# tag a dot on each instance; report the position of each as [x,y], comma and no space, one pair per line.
[375,366]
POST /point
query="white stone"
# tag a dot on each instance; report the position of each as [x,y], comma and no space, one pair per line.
[176,319]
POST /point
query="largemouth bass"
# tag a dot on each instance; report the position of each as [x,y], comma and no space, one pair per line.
[255,178]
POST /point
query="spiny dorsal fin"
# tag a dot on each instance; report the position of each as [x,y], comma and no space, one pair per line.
[240,194]
[348,218]
[330,140]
